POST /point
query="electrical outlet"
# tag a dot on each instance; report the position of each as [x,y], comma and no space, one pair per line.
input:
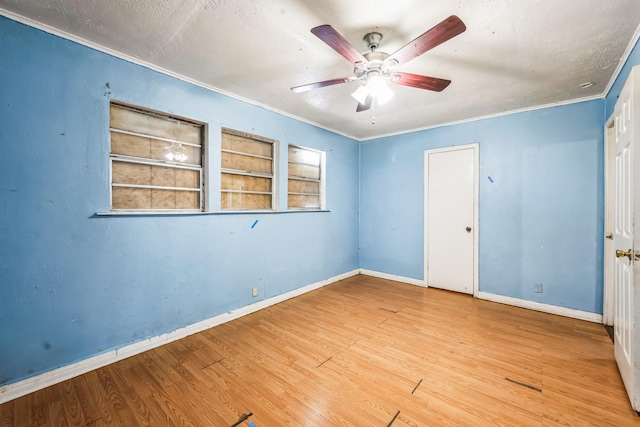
[254,292]
[537,288]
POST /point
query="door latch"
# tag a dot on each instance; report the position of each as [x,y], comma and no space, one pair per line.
[620,254]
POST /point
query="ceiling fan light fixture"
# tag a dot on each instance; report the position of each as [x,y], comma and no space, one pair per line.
[378,89]
[360,94]
[384,94]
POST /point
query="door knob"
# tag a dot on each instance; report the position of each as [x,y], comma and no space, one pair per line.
[468,229]
[620,254]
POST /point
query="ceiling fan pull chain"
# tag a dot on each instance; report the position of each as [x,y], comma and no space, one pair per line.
[373,112]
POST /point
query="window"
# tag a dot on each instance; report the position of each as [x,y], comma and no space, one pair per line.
[306,178]
[248,170]
[156,161]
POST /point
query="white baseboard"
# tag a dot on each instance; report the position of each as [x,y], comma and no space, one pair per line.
[546,308]
[402,279]
[38,382]
[532,305]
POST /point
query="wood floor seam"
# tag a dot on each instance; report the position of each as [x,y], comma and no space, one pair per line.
[325,361]
[416,387]
[393,419]
[524,385]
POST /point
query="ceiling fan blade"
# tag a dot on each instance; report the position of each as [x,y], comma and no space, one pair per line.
[317,85]
[327,34]
[366,105]
[445,30]
[421,82]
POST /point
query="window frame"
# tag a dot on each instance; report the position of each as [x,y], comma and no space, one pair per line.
[322,180]
[273,176]
[202,168]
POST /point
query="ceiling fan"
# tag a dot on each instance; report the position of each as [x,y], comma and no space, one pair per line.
[377,68]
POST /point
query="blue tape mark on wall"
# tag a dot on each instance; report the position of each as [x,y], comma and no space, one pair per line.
[254,223]
[490,179]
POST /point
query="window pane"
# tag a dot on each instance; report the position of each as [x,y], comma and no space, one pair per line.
[188,200]
[174,199]
[246,145]
[129,145]
[304,171]
[137,146]
[140,174]
[241,201]
[300,201]
[300,155]
[245,183]
[245,163]
[139,122]
[298,186]
[130,173]
[130,198]
[176,153]
[186,178]
[146,198]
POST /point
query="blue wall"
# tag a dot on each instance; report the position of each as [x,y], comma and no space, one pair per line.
[73,285]
[540,219]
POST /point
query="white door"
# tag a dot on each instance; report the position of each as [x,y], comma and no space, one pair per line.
[451,218]
[624,310]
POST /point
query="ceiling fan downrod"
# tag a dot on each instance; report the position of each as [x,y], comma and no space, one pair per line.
[372,41]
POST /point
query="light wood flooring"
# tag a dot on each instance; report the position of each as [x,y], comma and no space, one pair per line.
[361,352]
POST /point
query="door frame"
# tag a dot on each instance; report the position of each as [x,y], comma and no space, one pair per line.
[608,293]
[476,181]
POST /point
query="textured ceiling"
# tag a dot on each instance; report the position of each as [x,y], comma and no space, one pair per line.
[514,55]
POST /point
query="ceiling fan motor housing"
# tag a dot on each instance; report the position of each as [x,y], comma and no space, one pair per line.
[377,64]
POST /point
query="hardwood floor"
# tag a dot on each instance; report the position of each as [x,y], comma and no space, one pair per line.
[361,352]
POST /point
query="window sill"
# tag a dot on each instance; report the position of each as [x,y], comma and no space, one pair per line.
[171,213]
